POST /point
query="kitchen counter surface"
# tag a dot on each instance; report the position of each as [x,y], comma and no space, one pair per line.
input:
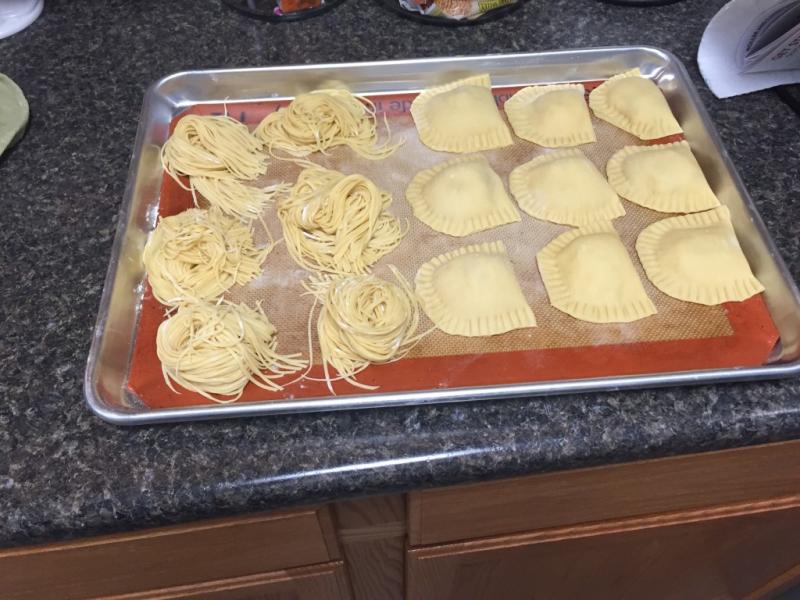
[64,473]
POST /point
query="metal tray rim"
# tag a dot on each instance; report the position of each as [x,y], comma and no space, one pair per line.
[411,61]
[415,398]
[116,416]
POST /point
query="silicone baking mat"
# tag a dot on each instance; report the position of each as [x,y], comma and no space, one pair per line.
[682,336]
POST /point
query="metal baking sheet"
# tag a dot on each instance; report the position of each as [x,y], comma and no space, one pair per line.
[109,360]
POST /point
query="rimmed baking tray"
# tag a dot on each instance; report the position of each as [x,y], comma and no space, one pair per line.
[107,374]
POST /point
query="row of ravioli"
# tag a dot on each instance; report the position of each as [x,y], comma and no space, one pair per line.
[462,116]
[465,195]
[588,274]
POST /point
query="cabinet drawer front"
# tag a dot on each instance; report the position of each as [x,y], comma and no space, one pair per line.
[597,494]
[320,582]
[165,557]
[720,558]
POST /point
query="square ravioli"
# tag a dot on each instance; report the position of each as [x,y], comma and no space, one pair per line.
[461,116]
[473,291]
[461,196]
[553,116]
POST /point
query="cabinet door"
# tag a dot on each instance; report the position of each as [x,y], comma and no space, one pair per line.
[318,582]
[169,556]
[561,499]
[707,556]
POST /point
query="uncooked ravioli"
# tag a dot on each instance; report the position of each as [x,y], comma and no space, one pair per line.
[473,291]
[634,104]
[665,177]
[588,274]
[564,187]
[697,258]
[551,115]
[461,196]
[461,116]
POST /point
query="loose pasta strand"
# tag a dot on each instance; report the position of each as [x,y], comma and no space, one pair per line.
[321,120]
[363,320]
[217,147]
[337,224]
[216,349]
[198,255]
[235,198]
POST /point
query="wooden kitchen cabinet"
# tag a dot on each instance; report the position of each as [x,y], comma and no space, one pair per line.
[704,556]
[603,493]
[170,557]
[713,526]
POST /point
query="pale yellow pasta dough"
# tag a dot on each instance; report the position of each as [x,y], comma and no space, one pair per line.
[473,291]
[337,223]
[635,104]
[322,120]
[217,348]
[199,255]
[564,187]
[588,274]
[461,116]
[461,196]
[665,177]
[364,320]
[219,147]
[551,115]
[697,258]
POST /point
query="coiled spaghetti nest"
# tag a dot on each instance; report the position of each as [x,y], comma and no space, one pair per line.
[363,320]
[321,120]
[198,255]
[216,349]
[336,223]
[218,147]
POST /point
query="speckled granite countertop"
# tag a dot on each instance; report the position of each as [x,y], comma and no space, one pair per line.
[64,473]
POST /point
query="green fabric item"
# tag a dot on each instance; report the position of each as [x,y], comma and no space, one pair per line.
[13,113]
